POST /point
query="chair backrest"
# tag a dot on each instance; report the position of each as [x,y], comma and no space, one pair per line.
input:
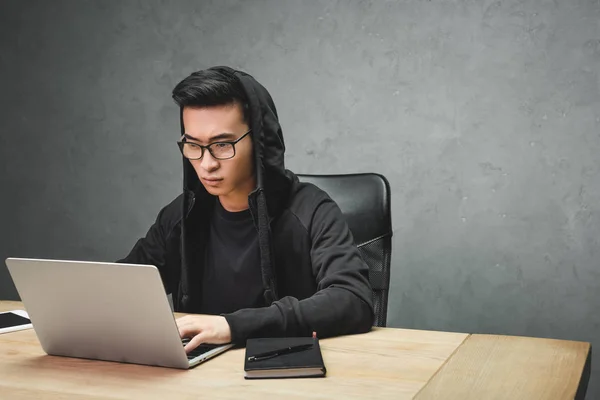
[365,202]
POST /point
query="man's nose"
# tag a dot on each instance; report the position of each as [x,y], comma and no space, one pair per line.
[208,162]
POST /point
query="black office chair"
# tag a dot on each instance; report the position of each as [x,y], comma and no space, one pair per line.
[365,202]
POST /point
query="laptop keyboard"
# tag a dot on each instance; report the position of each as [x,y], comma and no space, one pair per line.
[203,348]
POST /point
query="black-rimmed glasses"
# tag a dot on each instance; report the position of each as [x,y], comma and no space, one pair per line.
[219,150]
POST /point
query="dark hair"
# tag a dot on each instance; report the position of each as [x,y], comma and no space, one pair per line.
[209,88]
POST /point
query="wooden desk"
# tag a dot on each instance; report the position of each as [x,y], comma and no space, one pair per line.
[385,363]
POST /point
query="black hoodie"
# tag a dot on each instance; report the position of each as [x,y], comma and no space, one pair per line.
[313,276]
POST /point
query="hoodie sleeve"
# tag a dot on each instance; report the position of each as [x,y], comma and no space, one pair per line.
[152,248]
[343,301]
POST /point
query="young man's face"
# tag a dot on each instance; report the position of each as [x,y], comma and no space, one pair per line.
[233,178]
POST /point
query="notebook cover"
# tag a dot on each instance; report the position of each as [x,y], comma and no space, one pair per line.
[306,359]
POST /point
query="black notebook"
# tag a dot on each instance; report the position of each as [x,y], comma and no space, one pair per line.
[295,357]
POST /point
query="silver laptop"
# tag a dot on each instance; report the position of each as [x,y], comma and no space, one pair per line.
[103,311]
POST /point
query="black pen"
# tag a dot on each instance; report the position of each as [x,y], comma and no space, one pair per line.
[278,352]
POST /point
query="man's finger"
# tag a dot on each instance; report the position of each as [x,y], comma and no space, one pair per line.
[186,331]
[196,341]
[184,321]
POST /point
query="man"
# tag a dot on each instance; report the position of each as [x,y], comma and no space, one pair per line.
[247,246]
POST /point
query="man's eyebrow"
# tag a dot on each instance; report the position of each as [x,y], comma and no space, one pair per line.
[220,136]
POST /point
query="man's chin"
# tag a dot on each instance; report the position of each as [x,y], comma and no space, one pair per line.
[215,191]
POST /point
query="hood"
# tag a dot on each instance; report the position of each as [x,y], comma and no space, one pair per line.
[268,143]
[273,181]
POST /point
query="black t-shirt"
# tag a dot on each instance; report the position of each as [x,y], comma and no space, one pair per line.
[232,275]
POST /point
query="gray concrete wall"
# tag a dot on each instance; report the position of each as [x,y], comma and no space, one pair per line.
[484,115]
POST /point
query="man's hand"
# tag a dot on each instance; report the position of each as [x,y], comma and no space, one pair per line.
[212,329]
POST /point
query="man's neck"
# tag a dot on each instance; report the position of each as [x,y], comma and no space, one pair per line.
[237,200]
[234,203]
